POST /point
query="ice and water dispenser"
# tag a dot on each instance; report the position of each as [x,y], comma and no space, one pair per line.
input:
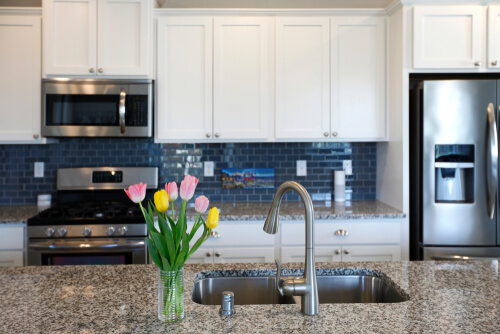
[454,173]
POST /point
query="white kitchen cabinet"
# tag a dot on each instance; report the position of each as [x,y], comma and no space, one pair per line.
[184,78]
[344,241]
[242,78]
[20,79]
[494,37]
[302,77]
[238,254]
[213,78]
[96,37]
[447,36]
[11,245]
[358,101]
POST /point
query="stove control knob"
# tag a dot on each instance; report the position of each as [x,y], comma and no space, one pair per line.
[110,230]
[87,231]
[50,232]
[122,230]
[62,231]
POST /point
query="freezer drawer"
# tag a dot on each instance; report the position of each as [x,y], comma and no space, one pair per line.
[457,253]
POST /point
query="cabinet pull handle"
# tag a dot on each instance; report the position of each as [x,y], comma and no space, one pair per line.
[91,70]
[494,63]
[208,135]
[217,135]
[35,136]
[334,134]
[208,254]
[346,251]
[100,70]
[337,251]
[325,134]
[477,63]
[215,234]
[341,233]
[218,254]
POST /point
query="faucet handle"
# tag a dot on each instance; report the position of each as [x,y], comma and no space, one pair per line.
[278,277]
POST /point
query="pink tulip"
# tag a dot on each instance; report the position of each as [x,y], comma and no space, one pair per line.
[201,204]
[188,186]
[136,192]
[171,189]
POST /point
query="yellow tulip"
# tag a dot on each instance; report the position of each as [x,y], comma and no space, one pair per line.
[161,200]
[213,218]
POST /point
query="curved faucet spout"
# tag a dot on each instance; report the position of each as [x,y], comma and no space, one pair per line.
[307,287]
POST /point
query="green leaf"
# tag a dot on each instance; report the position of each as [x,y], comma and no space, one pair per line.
[182,255]
[155,256]
[199,242]
[195,229]
[149,221]
[160,244]
[173,227]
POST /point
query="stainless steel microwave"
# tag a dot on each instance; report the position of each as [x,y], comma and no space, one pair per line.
[97,108]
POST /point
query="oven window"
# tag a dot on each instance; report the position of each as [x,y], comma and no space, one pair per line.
[94,110]
[86,259]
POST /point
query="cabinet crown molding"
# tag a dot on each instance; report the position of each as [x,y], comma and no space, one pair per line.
[270,12]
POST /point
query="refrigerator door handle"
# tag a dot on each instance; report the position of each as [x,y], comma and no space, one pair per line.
[493,153]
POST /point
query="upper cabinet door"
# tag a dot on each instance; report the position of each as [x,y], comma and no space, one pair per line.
[447,36]
[242,88]
[494,37]
[20,78]
[184,78]
[69,37]
[123,37]
[302,77]
[358,77]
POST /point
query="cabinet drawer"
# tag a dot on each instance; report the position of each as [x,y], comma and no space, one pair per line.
[360,232]
[11,238]
[12,258]
[237,234]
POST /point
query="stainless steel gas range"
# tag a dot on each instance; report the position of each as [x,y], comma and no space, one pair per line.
[93,220]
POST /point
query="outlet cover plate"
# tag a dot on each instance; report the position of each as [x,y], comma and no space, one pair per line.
[39,169]
[208,168]
[301,167]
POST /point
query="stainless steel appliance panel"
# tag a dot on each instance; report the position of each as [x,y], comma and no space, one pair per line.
[455,113]
[461,253]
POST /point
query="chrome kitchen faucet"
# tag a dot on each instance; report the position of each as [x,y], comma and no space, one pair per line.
[307,286]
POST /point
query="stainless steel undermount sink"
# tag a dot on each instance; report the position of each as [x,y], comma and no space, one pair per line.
[331,289]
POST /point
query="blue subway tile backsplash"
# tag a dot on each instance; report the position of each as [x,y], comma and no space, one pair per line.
[19,186]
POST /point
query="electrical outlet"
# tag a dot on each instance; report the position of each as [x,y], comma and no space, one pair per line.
[39,169]
[301,167]
[347,167]
[209,168]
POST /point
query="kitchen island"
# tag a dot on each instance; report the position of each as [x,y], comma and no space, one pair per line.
[445,297]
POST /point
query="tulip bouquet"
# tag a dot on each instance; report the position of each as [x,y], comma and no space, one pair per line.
[169,247]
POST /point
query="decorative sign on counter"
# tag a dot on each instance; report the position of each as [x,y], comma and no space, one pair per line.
[249,178]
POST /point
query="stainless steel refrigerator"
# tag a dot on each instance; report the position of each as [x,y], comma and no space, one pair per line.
[454,167]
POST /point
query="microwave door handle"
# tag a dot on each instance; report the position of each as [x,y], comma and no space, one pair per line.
[121,110]
[493,153]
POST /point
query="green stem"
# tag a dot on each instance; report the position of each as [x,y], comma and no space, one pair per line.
[173,211]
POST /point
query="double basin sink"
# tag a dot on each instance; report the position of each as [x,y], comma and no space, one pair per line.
[331,289]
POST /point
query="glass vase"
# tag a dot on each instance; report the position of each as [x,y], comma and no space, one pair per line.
[170,295]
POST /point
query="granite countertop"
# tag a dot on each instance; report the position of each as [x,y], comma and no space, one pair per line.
[250,211]
[445,297]
[17,214]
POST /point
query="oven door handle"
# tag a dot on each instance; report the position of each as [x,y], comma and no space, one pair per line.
[121,109]
[81,245]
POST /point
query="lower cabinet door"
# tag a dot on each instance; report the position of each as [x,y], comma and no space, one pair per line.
[244,255]
[371,253]
[321,254]
[202,255]
[11,258]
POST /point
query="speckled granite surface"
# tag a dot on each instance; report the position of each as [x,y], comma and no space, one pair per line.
[17,214]
[445,297]
[248,211]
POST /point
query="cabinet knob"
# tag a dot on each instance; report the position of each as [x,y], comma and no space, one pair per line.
[477,63]
[208,254]
[217,135]
[91,70]
[215,234]
[346,251]
[35,136]
[325,134]
[337,251]
[334,134]
[100,70]
[208,135]
[218,254]
[494,63]
[341,233]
